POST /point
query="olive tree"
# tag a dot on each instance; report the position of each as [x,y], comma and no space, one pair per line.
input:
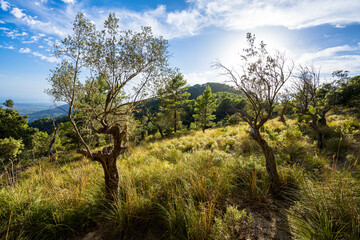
[260,78]
[123,67]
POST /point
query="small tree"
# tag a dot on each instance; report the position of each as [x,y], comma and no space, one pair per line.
[284,106]
[349,91]
[104,103]
[174,97]
[9,103]
[314,99]
[260,79]
[204,108]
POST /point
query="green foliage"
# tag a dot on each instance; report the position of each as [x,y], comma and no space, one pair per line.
[234,224]
[349,93]
[46,124]
[12,124]
[294,144]
[10,148]
[40,144]
[9,103]
[173,98]
[198,89]
[228,104]
[204,107]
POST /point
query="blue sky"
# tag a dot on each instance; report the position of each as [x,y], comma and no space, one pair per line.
[325,33]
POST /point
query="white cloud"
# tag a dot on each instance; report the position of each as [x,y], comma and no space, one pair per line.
[2,22]
[326,53]
[7,47]
[293,14]
[59,27]
[4,5]
[69,1]
[17,13]
[15,34]
[46,58]
[24,50]
[344,62]
[185,22]
[342,57]
[50,59]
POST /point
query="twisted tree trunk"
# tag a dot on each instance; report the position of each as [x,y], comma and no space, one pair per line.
[269,160]
[111,173]
[108,158]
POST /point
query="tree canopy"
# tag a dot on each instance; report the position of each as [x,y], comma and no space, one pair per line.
[204,108]
[124,66]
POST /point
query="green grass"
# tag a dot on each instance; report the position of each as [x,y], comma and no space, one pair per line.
[193,186]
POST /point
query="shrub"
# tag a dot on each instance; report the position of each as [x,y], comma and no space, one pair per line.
[234,224]
[10,148]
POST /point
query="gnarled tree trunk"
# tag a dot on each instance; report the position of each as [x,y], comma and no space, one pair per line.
[269,159]
[108,158]
[111,173]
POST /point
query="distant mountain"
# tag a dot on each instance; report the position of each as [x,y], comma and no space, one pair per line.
[49,113]
[28,108]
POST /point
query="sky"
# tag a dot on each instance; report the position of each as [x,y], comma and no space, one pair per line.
[325,33]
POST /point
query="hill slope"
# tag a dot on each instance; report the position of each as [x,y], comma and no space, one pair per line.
[49,113]
[211,185]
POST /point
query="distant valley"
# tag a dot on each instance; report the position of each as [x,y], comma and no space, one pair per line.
[40,110]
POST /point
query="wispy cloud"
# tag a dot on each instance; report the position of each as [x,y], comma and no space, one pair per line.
[50,59]
[4,5]
[326,53]
[197,16]
[15,34]
[17,12]
[293,14]
[342,57]
[24,50]
[7,47]
[69,1]
[200,14]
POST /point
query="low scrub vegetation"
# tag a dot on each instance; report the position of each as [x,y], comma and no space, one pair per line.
[209,185]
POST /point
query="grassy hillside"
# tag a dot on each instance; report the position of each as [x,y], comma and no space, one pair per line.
[195,185]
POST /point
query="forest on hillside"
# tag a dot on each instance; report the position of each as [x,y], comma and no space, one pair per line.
[272,154]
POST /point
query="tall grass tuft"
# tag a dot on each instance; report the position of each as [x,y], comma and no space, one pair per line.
[329,209]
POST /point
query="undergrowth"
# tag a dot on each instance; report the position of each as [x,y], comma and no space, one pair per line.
[196,186]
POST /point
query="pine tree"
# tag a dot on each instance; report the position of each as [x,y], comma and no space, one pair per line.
[204,108]
[174,97]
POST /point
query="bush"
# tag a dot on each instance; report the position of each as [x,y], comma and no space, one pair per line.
[234,224]
[10,148]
